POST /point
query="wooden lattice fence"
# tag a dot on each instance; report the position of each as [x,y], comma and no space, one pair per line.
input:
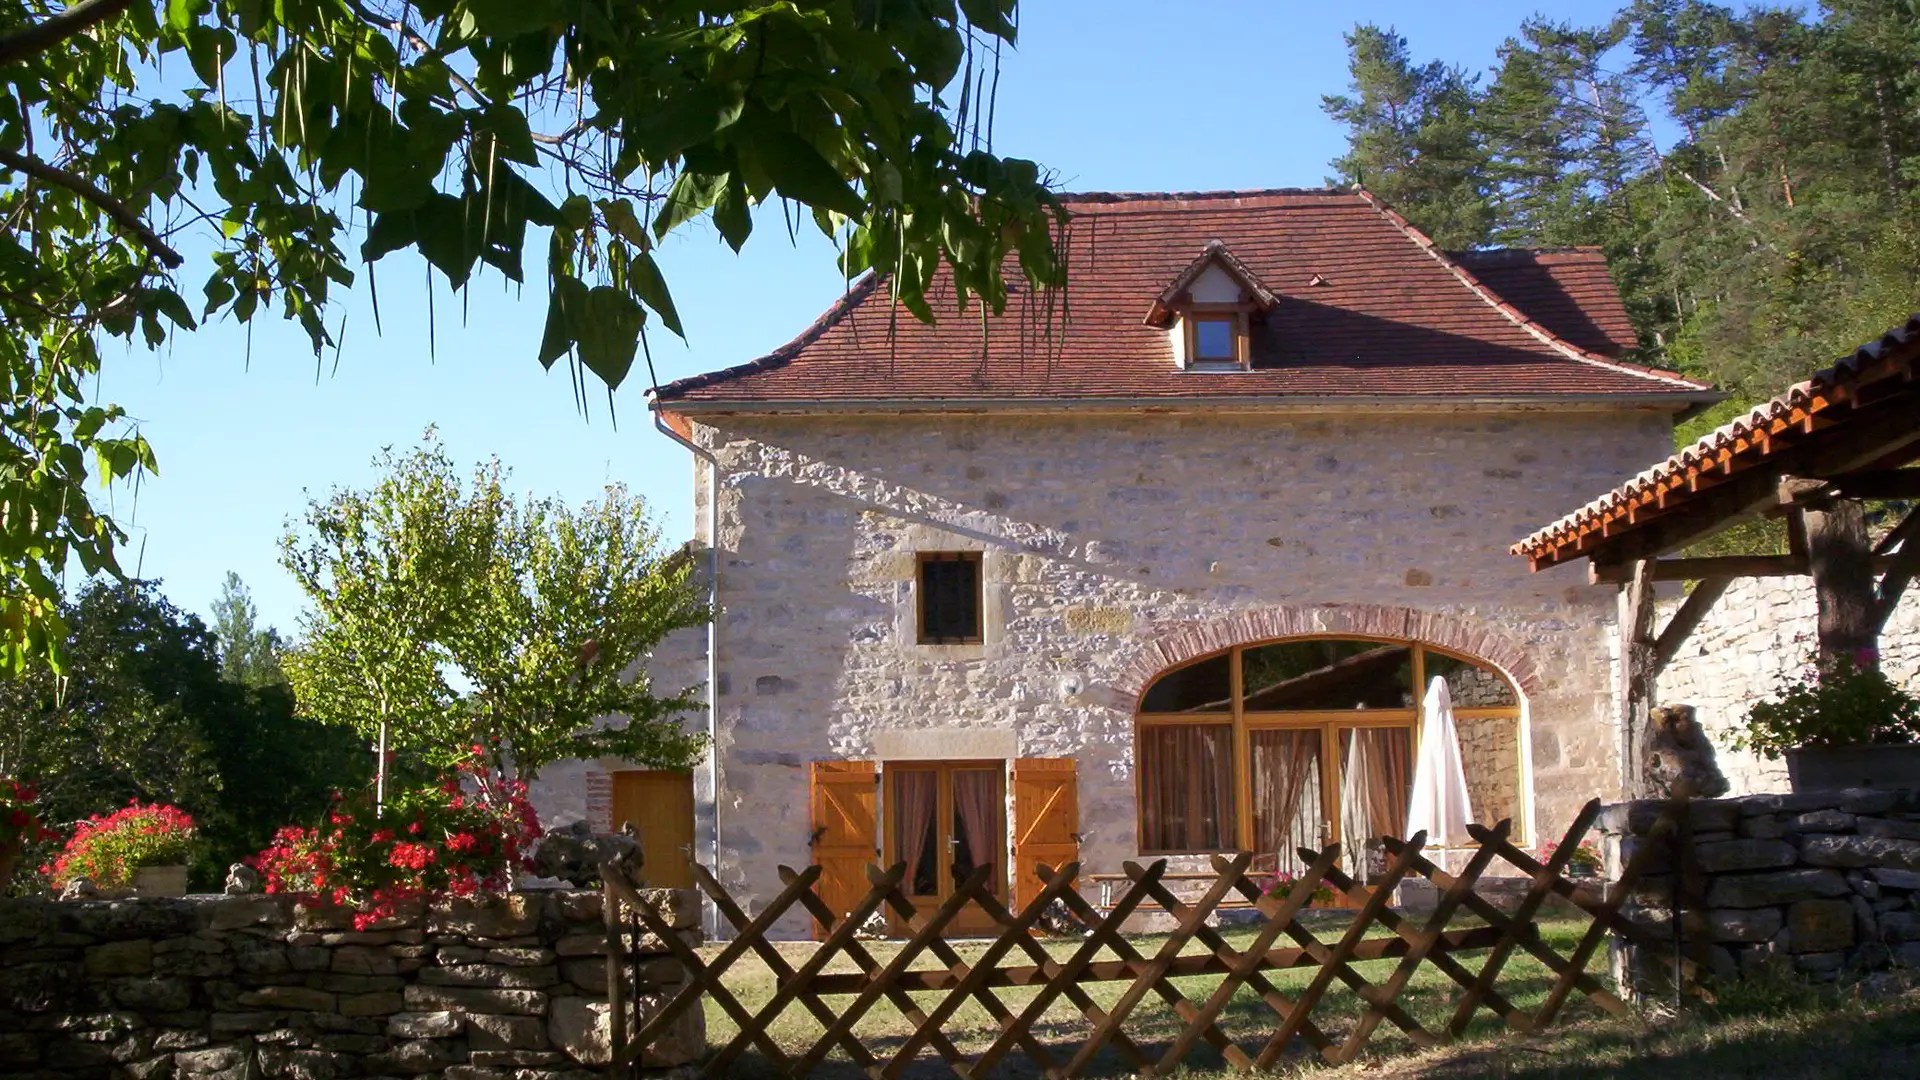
[1014,958]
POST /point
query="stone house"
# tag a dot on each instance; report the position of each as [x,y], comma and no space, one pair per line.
[1158,564]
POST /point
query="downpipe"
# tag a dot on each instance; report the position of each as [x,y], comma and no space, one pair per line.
[713,640]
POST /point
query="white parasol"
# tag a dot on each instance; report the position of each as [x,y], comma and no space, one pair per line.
[1439,803]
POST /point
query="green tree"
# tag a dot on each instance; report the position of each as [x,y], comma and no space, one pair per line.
[1411,137]
[456,616]
[249,653]
[304,138]
[143,712]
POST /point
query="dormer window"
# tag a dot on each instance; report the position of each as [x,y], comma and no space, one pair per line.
[1216,340]
[1209,309]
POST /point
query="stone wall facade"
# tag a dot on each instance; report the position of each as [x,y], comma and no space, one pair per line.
[1825,883]
[502,987]
[1760,631]
[1115,546]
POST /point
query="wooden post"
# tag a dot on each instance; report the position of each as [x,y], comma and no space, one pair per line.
[1841,562]
[1638,665]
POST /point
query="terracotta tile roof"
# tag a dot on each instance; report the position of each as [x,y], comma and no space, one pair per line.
[1568,290]
[1798,416]
[1368,307]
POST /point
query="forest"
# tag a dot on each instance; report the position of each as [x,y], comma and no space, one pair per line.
[1752,174]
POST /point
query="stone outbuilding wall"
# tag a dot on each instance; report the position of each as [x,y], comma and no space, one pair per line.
[503,987]
[1824,883]
[1761,630]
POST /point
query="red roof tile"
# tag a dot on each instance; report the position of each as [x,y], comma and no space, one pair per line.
[1807,412]
[1368,307]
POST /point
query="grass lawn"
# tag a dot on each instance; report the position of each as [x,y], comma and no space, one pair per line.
[1152,1025]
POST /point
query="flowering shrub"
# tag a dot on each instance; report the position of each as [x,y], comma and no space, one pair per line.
[1846,703]
[1584,863]
[20,816]
[465,835]
[107,848]
[1281,885]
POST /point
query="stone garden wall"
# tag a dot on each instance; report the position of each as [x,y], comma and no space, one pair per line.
[1760,630]
[506,987]
[1825,883]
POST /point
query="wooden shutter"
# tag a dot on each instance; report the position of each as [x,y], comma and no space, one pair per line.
[1046,819]
[842,798]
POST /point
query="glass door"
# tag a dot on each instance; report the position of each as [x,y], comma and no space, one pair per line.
[945,820]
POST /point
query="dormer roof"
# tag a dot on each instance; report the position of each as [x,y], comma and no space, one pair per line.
[1393,318]
[1166,306]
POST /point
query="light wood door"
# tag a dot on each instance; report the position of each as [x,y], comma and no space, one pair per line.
[659,802]
[944,819]
[842,812]
[1046,815]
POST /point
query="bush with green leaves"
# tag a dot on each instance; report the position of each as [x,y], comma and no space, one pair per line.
[1846,703]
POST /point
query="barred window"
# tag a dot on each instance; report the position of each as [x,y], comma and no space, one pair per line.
[950,597]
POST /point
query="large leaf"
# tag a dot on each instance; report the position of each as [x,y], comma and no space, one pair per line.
[566,309]
[651,286]
[799,172]
[609,334]
[689,197]
[692,116]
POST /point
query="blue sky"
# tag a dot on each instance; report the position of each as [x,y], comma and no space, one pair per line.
[1113,95]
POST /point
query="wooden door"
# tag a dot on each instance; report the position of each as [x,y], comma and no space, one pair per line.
[659,803]
[944,819]
[1046,820]
[841,801]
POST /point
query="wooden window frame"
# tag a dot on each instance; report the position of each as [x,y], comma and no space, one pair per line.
[923,595]
[943,770]
[1328,721]
[1236,315]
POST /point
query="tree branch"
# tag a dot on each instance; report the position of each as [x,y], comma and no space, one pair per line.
[86,189]
[49,32]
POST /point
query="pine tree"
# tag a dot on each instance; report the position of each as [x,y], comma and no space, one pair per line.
[1411,137]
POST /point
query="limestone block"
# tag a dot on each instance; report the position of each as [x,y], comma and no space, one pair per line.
[1819,926]
[1744,924]
[376,1003]
[581,1028]
[1861,851]
[506,1032]
[1900,925]
[214,1063]
[1905,830]
[424,1025]
[492,975]
[290,997]
[416,1056]
[518,957]
[1778,887]
[515,1059]
[121,958]
[154,995]
[1098,620]
[1748,854]
[1822,821]
[363,960]
[1896,879]
[475,1000]
[493,915]
[1764,826]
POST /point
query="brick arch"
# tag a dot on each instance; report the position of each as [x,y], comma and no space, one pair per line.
[1169,644]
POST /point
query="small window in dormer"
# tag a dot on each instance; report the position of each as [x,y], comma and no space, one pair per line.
[1216,337]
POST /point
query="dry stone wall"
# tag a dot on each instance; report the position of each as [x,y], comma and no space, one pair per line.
[1825,883]
[1760,631]
[504,987]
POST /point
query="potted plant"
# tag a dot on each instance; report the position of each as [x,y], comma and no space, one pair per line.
[1841,725]
[20,824]
[1584,863]
[139,849]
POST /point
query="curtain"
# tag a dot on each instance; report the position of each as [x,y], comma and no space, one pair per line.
[916,791]
[1284,765]
[1374,788]
[1186,787]
[978,807]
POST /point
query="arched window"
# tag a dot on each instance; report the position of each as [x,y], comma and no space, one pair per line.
[1271,747]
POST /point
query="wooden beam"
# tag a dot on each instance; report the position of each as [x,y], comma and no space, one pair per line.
[1718,566]
[1686,620]
[1841,562]
[1636,671]
[1879,484]
[1906,562]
